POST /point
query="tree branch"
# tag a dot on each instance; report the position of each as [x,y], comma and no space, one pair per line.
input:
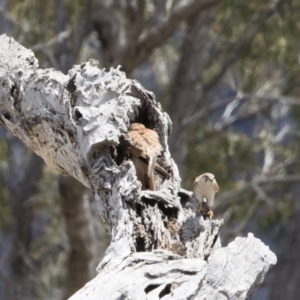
[209,110]
[158,34]
[135,11]
[162,273]
[160,247]
[244,113]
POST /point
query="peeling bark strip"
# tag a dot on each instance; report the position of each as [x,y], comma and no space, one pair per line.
[78,124]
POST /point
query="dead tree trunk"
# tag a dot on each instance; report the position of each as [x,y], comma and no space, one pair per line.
[160,248]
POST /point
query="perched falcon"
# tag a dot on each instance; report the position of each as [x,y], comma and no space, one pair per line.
[204,187]
[145,147]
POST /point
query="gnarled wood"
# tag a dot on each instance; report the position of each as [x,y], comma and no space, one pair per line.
[79,123]
[229,273]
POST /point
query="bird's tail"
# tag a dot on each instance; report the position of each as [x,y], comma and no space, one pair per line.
[161,170]
[151,167]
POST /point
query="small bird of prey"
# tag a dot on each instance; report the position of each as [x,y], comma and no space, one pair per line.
[145,147]
[204,188]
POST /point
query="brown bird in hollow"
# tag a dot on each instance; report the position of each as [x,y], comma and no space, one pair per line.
[144,151]
[204,188]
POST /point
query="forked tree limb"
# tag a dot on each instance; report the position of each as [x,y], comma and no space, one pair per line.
[160,248]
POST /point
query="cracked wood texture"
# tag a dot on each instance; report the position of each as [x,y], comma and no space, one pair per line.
[78,123]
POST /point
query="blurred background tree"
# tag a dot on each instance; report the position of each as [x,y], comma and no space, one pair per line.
[227,72]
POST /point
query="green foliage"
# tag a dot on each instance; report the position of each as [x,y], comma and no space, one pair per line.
[274,45]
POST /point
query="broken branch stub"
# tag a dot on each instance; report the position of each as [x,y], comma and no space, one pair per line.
[78,123]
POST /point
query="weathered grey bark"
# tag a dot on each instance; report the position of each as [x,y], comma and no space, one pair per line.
[79,269]
[163,275]
[74,196]
[78,123]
